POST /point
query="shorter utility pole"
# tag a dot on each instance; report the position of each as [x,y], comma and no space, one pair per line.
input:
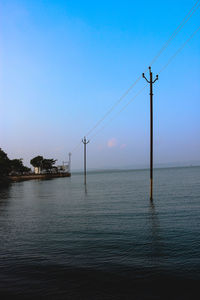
[85,142]
[69,163]
[151,82]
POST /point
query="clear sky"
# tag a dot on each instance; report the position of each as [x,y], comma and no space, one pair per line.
[65,63]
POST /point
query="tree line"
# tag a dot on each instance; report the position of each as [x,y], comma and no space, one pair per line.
[8,166]
[16,166]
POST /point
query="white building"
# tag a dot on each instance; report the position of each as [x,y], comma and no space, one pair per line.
[37,170]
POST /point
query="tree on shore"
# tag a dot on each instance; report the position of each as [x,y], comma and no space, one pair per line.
[43,163]
[11,166]
[36,162]
[17,166]
[48,164]
[5,167]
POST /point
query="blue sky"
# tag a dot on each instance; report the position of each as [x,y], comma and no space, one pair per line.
[65,63]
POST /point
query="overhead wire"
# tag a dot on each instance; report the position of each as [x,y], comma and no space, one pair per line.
[173,35]
[136,95]
[177,30]
[76,147]
[179,50]
[113,107]
[141,90]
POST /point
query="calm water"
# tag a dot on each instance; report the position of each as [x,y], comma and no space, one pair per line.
[58,241]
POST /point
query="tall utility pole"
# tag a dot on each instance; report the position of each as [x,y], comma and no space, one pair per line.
[151,82]
[85,142]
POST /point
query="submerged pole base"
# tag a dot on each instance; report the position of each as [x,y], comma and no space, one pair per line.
[151,189]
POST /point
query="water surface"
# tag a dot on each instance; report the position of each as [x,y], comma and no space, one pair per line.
[61,241]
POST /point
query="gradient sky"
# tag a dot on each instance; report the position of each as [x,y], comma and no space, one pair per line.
[65,63]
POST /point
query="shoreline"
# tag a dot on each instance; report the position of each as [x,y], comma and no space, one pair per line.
[18,178]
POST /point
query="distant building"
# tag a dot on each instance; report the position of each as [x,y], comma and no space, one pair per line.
[63,168]
[37,170]
[56,169]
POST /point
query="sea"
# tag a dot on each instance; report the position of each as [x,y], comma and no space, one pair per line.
[60,239]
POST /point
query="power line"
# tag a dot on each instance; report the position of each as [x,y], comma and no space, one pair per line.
[176,31]
[123,108]
[141,90]
[113,107]
[179,50]
[174,34]
[76,147]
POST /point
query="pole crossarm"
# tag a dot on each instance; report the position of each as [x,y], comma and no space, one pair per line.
[155,79]
[150,76]
[84,141]
[145,78]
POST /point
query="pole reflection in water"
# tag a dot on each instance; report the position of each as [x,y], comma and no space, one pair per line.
[157,246]
[85,188]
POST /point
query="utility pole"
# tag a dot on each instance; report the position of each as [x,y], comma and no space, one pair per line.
[85,142]
[151,82]
[69,163]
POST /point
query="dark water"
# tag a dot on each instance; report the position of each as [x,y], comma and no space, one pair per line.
[58,241]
